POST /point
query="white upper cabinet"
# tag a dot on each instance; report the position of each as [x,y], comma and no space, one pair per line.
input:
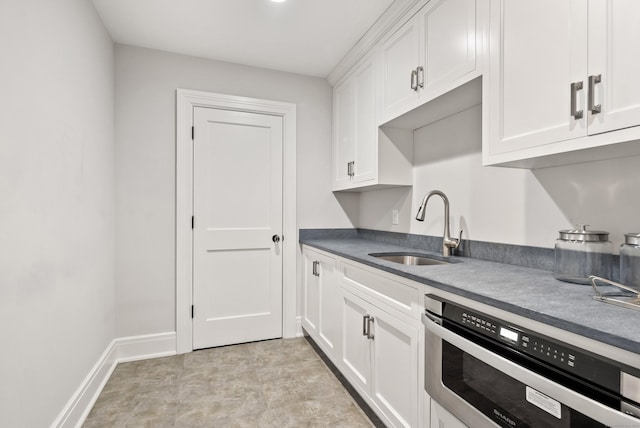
[344,133]
[400,59]
[614,45]
[431,54]
[543,51]
[355,139]
[448,44]
[366,136]
[431,51]
[560,72]
[363,156]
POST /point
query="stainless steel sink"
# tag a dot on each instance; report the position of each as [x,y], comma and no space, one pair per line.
[410,259]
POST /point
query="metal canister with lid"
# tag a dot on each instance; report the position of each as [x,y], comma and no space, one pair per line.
[580,252]
[630,260]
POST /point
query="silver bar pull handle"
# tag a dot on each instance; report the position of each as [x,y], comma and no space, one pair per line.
[414,80]
[420,74]
[369,332]
[365,325]
[350,168]
[575,87]
[314,271]
[593,107]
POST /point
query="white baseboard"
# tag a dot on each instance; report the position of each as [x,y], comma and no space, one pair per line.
[145,347]
[119,350]
[78,407]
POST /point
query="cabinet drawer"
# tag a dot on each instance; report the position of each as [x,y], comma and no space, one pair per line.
[400,296]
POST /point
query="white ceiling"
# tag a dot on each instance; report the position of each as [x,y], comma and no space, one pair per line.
[299,36]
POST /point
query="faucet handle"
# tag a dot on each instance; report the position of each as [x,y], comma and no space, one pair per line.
[453,243]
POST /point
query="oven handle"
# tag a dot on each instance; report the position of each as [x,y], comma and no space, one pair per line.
[582,404]
[436,319]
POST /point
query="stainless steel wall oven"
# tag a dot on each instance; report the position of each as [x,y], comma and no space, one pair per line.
[488,373]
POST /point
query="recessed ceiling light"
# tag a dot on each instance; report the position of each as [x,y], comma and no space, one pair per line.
[278,1]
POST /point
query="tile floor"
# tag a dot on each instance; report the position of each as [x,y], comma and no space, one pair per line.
[275,383]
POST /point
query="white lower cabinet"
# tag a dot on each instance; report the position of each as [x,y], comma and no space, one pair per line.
[320,303]
[380,357]
[368,324]
[441,418]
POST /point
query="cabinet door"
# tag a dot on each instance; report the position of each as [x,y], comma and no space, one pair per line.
[366,129]
[614,42]
[395,368]
[356,347]
[441,418]
[400,56]
[448,42]
[344,132]
[311,300]
[320,306]
[540,51]
[328,310]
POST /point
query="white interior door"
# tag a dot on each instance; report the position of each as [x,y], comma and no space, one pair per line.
[237,206]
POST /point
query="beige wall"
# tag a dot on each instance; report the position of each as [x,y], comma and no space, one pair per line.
[146,81]
[506,205]
[56,204]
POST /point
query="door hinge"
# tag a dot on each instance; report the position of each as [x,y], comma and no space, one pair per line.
[193,132]
[192,311]
[193,222]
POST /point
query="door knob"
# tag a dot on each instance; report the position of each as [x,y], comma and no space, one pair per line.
[275,238]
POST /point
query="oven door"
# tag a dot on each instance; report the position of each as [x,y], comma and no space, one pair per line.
[484,389]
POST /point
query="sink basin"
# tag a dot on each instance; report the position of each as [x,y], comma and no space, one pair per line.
[410,259]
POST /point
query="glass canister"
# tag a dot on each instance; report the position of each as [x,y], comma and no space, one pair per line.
[580,253]
[630,260]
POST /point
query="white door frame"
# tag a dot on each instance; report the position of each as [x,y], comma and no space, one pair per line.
[186,101]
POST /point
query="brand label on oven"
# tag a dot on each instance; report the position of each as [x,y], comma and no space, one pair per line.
[547,404]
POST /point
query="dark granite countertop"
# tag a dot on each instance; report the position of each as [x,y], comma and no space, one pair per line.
[533,293]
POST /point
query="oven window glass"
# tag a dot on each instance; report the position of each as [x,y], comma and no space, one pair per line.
[502,398]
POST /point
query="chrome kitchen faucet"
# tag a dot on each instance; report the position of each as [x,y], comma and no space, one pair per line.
[448,243]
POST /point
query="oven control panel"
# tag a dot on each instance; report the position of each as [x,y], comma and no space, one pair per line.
[552,352]
[515,337]
[548,351]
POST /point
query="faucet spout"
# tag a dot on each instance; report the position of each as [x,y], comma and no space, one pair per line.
[448,243]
